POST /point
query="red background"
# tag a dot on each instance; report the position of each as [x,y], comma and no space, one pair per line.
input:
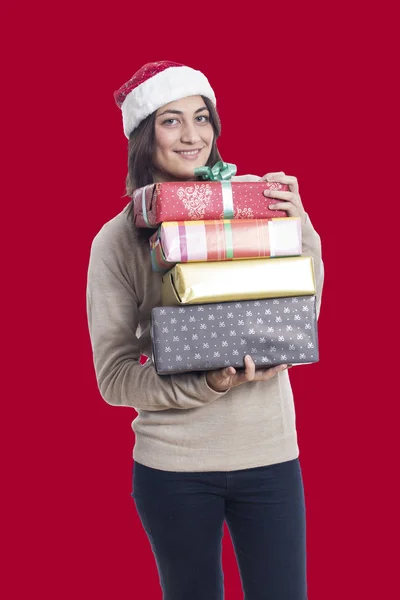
[307,90]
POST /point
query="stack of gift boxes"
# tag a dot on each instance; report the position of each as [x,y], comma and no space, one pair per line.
[234,281]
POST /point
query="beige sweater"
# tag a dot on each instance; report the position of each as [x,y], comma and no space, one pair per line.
[181,424]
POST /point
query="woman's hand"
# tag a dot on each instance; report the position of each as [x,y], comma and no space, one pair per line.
[291,200]
[224,379]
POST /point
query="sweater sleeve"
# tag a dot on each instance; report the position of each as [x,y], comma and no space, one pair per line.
[312,247]
[113,318]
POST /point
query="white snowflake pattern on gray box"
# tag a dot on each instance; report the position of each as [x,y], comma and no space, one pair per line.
[273,331]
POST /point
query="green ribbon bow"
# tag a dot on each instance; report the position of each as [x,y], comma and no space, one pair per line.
[221,171]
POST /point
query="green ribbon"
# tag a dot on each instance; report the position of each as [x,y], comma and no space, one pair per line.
[227,199]
[228,239]
[221,171]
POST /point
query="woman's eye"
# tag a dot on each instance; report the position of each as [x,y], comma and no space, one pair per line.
[169,121]
[204,119]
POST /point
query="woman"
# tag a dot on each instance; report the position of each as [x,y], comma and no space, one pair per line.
[209,446]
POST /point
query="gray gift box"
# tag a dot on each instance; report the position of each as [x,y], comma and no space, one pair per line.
[204,337]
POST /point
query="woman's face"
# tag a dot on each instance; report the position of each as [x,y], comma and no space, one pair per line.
[183,139]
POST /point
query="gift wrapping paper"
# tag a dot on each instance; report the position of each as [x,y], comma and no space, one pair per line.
[203,200]
[247,279]
[224,239]
[212,336]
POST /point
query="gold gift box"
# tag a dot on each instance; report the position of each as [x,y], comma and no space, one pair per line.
[227,281]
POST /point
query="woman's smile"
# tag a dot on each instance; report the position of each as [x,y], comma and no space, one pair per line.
[189,154]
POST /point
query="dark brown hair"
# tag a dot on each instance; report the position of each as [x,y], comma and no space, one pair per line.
[141,149]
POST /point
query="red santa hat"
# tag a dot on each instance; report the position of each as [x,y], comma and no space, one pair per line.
[156,84]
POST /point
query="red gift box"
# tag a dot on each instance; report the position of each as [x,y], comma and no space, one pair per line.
[204,200]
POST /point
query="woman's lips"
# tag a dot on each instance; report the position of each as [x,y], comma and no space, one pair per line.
[189,154]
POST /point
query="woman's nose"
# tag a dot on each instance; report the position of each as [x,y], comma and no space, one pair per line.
[189,133]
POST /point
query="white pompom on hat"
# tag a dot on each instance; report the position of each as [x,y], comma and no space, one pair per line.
[155,85]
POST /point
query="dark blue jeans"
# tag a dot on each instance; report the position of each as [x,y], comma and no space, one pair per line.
[183,515]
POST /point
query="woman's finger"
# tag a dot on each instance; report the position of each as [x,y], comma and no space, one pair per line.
[288,196]
[287,206]
[266,374]
[228,372]
[291,210]
[290,180]
[270,176]
[250,367]
[248,373]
